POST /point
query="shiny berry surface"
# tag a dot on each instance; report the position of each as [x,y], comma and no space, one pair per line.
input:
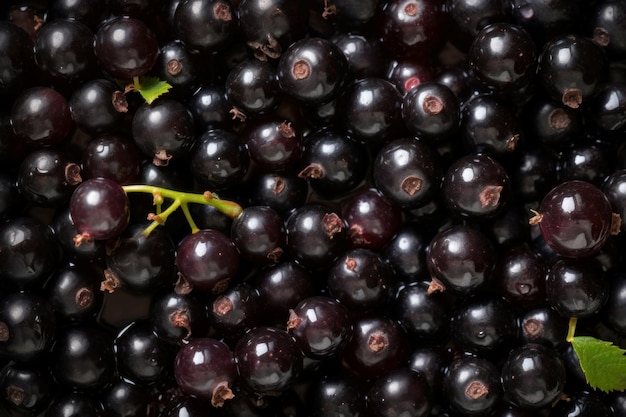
[207,259]
[502,56]
[378,343]
[41,116]
[99,208]
[575,218]
[476,186]
[268,359]
[320,325]
[205,368]
[460,259]
[312,70]
[472,386]
[570,68]
[126,47]
[400,391]
[533,376]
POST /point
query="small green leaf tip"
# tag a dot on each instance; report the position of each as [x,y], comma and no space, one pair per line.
[151,88]
[603,363]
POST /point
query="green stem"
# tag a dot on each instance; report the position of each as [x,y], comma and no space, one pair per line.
[162,217]
[192,224]
[571,329]
[182,199]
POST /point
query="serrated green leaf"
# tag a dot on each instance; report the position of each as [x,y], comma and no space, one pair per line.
[151,88]
[603,363]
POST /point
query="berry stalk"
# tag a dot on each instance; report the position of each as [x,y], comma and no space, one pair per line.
[181,199]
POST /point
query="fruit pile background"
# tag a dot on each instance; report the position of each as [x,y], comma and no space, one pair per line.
[386,154]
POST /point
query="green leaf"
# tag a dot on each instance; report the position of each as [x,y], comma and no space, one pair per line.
[603,363]
[151,88]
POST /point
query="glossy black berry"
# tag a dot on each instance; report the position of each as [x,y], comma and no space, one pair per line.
[41,116]
[469,17]
[359,278]
[205,25]
[47,177]
[406,253]
[252,89]
[126,47]
[476,187]
[490,124]
[364,53]
[400,391]
[571,210]
[372,219]
[576,288]
[141,356]
[545,326]
[281,287]
[407,171]
[546,20]
[472,386]
[412,27]
[93,107]
[27,386]
[570,68]
[269,28]
[206,368]
[550,122]
[163,130]
[522,277]
[235,311]
[259,234]
[332,162]
[207,260]
[533,376]
[282,191]
[176,318]
[503,57]
[220,159]
[607,27]
[29,252]
[485,325]
[320,325]
[371,110]
[27,326]
[424,315]
[315,236]
[590,162]
[336,394]
[20,65]
[460,259]
[142,264]
[180,66]
[74,292]
[274,145]
[312,70]
[378,344]
[431,111]
[83,358]
[64,49]
[268,360]
[584,403]
[112,156]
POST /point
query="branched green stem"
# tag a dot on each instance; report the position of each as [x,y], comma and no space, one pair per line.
[181,199]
